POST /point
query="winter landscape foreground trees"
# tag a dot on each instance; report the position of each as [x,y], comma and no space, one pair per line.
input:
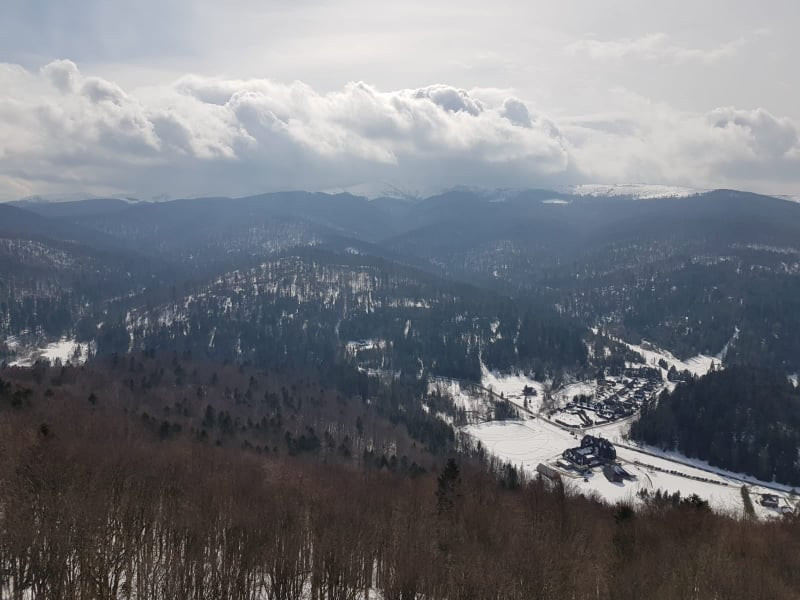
[90,508]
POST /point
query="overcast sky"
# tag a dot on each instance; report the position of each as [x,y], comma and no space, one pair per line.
[192,97]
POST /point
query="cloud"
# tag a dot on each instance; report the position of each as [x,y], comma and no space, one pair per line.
[63,131]
[654,47]
[763,134]
[516,112]
[655,143]
[450,99]
[204,135]
[63,74]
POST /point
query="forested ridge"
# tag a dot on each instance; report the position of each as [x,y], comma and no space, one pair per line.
[686,274]
[303,307]
[262,416]
[745,419]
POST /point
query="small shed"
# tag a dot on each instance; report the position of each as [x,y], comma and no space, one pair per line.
[615,473]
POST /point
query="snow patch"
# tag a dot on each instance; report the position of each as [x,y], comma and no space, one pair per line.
[580,388]
[354,347]
[724,352]
[65,350]
[511,386]
[639,191]
[471,403]
[698,365]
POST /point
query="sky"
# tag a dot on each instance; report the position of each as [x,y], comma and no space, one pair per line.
[183,98]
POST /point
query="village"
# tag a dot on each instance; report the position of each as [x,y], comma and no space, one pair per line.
[614,399]
[577,436]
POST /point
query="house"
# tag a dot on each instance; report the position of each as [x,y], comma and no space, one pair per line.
[593,451]
[600,446]
[770,500]
[529,391]
[581,457]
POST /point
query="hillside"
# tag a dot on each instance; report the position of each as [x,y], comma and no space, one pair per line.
[100,501]
[742,418]
[694,275]
[317,308]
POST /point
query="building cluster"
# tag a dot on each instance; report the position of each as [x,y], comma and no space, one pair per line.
[613,400]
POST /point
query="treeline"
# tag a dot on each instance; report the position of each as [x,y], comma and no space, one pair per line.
[92,510]
[745,419]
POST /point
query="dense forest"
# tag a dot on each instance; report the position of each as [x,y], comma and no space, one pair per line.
[711,273]
[333,415]
[744,419]
[303,308]
[96,505]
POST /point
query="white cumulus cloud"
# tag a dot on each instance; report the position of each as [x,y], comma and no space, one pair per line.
[205,135]
[653,142]
[62,130]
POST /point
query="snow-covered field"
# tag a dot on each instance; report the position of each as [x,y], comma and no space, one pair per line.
[616,432]
[581,388]
[527,443]
[697,365]
[461,398]
[523,443]
[570,419]
[64,350]
[511,386]
[533,440]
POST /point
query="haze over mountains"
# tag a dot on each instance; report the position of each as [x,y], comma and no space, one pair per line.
[703,259]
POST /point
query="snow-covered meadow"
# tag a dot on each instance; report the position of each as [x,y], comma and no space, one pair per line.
[697,365]
[535,439]
[526,443]
[64,350]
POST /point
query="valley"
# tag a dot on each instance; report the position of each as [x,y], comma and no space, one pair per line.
[399,300]
[576,291]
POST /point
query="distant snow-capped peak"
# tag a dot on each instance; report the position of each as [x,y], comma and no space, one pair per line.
[640,191]
[379,189]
